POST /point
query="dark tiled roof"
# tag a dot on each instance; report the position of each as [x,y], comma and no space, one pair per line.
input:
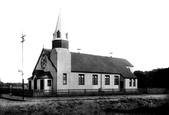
[100,64]
[41,75]
[45,75]
[30,78]
[47,52]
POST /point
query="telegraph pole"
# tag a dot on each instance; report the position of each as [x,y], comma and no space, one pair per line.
[22,66]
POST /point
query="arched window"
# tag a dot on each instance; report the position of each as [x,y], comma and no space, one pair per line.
[58,34]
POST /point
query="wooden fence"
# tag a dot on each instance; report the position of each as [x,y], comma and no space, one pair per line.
[80,92]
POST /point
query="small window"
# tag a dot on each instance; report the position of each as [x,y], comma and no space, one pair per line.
[95,79]
[58,34]
[49,83]
[107,79]
[64,79]
[130,82]
[134,82]
[81,79]
[116,80]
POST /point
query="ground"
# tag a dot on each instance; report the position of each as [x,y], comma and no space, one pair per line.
[85,105]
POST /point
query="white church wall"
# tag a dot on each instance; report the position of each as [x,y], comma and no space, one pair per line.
[38,84]
[63,66]
[46,87]
[53,58]
[73,81]
[88,81]
[32,84]
[112,85]
[128,86]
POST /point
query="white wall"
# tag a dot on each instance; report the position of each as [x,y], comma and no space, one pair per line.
[111,86]
[73,81]
[46,87]
[127,84]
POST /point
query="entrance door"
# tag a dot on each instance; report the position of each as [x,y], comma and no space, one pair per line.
[121,85]
[42,84]
[30,84]
[35,83]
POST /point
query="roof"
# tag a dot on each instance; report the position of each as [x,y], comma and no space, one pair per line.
[41,75]
[59,31]
[47,52]
[45,75]
[100,64]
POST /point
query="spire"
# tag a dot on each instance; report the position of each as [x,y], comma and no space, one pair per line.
[59,36]
[59,31]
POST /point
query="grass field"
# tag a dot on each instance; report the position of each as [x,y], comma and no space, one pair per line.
[86,105]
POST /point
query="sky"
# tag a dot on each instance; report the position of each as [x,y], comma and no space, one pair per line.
[137,30]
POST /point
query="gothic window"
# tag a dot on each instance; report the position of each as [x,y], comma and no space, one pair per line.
[58,34]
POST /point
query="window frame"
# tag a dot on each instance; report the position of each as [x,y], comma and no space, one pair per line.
[95,80]
[130,82]
[58,34]
[64,78]
[116,80]
[134,82]
[81,79]
[107,79]
[49,82]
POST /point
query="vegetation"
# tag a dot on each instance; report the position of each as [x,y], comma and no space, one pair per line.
[13,85]
[156,78]
[128,104]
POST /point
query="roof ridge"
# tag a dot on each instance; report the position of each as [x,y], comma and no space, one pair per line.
[98,55]
[47,49]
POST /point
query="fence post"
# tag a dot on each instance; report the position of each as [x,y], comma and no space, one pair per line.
[68,92]
[85,91]
[99,91]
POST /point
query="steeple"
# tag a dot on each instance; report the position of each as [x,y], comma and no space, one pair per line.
[59,36]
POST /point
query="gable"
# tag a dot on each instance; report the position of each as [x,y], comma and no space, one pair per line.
[48,65]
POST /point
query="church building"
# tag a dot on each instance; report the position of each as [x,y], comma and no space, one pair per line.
[58,69]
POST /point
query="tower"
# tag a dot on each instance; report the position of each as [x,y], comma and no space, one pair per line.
[59,37]
[60,55]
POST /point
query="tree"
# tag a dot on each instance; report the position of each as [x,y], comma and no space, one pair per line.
[157,78]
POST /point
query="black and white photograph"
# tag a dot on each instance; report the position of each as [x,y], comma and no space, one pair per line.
[84,57]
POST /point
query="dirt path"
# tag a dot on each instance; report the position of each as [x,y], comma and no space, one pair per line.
[113,97]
